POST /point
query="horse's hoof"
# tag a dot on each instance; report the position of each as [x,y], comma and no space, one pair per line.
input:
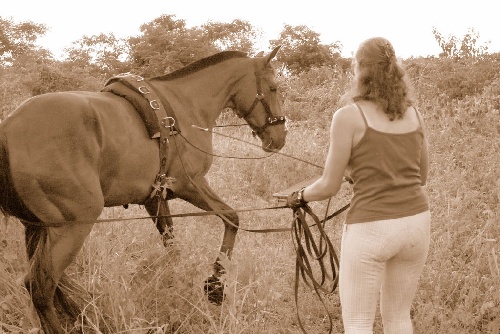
[214,290]
[167,238]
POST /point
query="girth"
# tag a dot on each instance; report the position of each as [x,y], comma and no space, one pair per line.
[157,114]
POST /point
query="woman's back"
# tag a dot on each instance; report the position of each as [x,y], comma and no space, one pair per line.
[378,120]
[385,166]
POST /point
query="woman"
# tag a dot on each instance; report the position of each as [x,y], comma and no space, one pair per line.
[379,138]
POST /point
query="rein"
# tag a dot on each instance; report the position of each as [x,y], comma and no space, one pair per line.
[249,143]
[322,252]
[178,215]
[184,215]
[224,156]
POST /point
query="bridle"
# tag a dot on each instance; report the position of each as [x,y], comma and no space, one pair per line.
[260,97]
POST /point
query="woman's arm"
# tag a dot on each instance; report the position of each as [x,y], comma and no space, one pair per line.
[339,152]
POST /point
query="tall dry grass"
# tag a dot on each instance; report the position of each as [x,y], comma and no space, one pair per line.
[135,285]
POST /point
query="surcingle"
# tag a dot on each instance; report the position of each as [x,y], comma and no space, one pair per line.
[136,90]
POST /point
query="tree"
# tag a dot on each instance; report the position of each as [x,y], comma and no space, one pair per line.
[17,40]
[57,76]
[301,49]
[166,45]
[101,54]
[465,47]
[237,35]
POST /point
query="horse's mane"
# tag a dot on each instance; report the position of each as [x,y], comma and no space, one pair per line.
[201,64]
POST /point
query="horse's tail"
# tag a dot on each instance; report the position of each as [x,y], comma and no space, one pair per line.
[36,239]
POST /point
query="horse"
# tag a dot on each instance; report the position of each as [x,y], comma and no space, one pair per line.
[64,156]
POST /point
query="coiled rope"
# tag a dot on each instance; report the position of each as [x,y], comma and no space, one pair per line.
[315,257]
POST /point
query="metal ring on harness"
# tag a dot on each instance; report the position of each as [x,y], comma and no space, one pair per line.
[168,122]
[154,104]
[144,90]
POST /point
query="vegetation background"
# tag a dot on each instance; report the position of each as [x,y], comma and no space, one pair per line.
[136,285]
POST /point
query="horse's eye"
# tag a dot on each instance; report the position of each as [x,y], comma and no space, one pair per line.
[273,89]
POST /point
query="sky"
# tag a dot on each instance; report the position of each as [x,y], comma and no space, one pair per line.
[407,24]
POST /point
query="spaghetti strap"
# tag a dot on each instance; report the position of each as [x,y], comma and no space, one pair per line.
[362,114]
[418,116]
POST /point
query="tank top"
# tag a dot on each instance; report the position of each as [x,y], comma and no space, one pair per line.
[385,169]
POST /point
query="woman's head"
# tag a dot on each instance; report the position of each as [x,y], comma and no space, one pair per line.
[379,77]
[375,51]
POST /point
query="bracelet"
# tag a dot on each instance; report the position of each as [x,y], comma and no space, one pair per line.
[300,196]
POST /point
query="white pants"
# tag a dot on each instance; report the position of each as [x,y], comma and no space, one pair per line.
[382,258]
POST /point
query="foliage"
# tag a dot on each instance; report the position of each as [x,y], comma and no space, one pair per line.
[452,78]
[309,96]
[18,39]
[102,54]
[237,35]
[465,47]
[301,49]
[59,76]
[166,45]
[30,78]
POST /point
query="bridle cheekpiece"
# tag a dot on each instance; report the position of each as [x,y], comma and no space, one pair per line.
[260,97]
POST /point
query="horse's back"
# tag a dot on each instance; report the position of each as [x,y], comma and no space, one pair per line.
[67,152]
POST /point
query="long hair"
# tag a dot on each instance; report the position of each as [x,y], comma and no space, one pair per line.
[379,77]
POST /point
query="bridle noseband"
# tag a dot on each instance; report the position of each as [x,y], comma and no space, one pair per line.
[260,97]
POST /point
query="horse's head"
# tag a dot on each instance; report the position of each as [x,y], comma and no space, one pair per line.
[256,100]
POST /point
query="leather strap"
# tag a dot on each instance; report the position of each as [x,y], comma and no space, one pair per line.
[152,101]
[166,124]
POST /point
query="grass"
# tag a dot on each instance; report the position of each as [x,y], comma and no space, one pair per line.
[135,285]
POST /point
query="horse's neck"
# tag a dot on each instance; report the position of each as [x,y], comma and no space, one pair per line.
[200,96]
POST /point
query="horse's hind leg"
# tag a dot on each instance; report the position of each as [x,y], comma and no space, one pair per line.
[164,223]
[50,251]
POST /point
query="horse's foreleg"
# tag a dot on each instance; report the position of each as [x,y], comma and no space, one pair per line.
[50,251]
[202,196]
[231,223]
[213,286]
[164,224]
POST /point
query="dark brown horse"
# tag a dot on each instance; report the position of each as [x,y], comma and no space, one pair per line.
[65,156]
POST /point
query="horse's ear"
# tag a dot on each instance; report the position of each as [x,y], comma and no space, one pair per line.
[260,54]
[272,54]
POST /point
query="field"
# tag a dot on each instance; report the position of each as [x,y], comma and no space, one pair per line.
[136,285]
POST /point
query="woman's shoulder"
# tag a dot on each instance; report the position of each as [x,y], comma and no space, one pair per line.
[349,116]
[349,121]
[347,112]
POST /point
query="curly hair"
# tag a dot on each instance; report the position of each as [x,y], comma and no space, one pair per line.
[379,77]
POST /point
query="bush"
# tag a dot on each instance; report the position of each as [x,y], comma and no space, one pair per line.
[454,78]
[313,96]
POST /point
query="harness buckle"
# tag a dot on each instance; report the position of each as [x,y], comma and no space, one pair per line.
[260,96]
